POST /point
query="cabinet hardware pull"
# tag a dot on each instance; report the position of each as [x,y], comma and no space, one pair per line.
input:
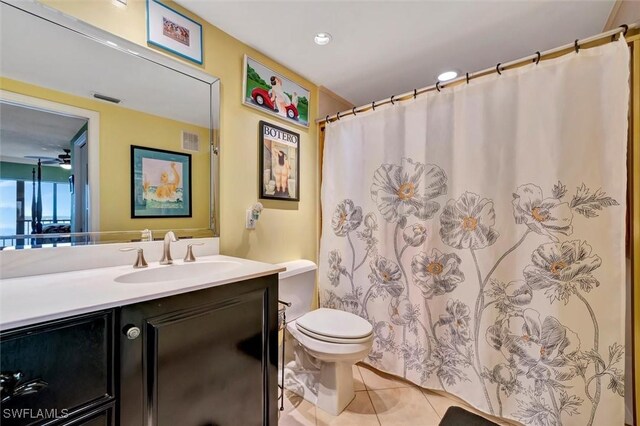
[10,386]
[132,332]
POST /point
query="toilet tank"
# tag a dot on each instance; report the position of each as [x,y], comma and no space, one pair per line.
[297,286]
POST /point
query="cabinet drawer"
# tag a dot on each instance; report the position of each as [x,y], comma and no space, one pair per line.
[101,416]
[72,360]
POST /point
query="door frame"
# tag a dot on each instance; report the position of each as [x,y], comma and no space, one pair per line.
[93,136]
[633,234]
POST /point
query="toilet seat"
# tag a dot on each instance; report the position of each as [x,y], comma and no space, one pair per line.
[334,326]
[331,339]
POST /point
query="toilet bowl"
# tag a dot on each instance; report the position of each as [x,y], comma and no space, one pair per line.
[322,345]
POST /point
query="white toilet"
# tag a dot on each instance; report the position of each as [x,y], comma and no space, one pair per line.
[321,345]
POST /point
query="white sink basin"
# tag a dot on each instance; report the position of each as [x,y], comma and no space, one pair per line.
[178,272]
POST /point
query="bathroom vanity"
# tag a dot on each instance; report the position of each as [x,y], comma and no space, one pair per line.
[86,339]
[164,345]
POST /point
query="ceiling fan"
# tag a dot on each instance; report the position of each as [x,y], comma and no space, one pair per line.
[63,160]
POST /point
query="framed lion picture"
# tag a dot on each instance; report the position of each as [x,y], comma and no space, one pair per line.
[160,183]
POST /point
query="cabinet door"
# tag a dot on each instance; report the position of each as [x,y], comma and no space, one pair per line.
[100,416]
[69,362]
[208,363]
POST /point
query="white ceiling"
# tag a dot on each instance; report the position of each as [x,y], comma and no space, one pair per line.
[26,131]
[382,48]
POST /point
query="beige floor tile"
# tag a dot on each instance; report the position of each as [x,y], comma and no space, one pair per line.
[442,401]
[374,379]
[358,383]
[358,413]
[297,411]
[403,406]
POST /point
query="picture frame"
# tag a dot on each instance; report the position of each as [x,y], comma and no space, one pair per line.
[160,183]
[279,171]
[270,92]
[174,32]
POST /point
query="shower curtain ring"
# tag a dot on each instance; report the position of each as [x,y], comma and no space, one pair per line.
[415,93]
[576,46]
[498,68]
[392,103]
[467,78]
[373,105]
[327,120]
[338,115]
[537,60]
[626,28]
[438,86]
[353,111]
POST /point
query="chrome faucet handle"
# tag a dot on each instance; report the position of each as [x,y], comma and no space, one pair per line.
[189,257]
[140,260]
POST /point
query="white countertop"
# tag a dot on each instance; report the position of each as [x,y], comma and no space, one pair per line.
[33,299]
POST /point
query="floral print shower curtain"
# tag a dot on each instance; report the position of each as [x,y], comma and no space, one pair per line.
[480,230]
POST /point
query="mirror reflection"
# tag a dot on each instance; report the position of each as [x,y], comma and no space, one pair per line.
[73,100]
[39,172]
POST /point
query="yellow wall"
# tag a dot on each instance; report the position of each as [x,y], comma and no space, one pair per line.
[330,103]
[119,129]
[286,230]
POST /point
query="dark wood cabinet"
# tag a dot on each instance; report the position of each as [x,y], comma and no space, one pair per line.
[99,416]
[203,358]
[62,369]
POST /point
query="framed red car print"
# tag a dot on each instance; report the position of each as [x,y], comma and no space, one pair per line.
[270,92]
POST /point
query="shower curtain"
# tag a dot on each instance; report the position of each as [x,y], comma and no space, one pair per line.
[480,229]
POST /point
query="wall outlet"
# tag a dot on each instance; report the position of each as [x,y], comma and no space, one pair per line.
[251,222]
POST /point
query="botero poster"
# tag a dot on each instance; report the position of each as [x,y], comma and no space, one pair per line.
[279,163]
[268,91]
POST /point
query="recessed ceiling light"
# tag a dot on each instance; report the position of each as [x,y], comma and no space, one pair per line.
[447,75]
[322,38]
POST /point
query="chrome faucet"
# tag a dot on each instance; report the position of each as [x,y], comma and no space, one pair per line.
[169,237]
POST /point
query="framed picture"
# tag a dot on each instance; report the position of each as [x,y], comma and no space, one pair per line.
[279,163]
[268,91]
[172,31]
[160,183]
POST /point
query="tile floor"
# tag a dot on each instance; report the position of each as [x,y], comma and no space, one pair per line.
[381,400]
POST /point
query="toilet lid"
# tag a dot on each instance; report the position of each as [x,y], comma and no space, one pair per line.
[328,339]
[334,324]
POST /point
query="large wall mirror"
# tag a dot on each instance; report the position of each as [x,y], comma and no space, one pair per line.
[73,101]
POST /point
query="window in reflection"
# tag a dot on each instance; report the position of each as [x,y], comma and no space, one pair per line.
[16,198]
[8,210]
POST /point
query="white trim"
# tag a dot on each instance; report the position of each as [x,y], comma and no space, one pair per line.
[93,130]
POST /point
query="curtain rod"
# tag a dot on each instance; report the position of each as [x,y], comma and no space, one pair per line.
[498,68]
